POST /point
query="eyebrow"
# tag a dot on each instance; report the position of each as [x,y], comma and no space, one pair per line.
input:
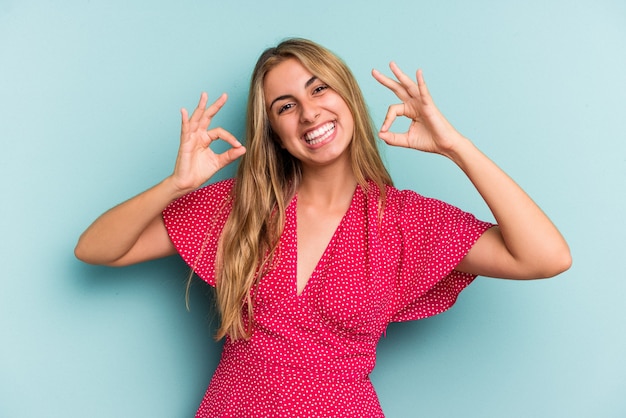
[288,96]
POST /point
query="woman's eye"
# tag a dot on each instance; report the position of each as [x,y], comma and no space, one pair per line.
[320,88]
[284,108]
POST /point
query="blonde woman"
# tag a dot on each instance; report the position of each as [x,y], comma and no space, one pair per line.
[311,249]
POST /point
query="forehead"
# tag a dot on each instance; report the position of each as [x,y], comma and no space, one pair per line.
[285,78]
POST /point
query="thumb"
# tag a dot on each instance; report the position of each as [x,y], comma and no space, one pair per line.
[392,138]
[232,154]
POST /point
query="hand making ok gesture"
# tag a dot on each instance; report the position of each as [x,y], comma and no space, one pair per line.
[196,161]
[429,130]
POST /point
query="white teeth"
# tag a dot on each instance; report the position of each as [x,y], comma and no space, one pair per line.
[320,134]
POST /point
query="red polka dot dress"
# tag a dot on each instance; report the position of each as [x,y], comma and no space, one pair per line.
[310,354]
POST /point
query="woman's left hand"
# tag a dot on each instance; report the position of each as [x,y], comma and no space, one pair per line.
[429,130]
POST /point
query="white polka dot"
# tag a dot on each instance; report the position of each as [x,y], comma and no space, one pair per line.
[311,355]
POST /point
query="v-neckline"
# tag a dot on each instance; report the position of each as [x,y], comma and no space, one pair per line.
[325,254]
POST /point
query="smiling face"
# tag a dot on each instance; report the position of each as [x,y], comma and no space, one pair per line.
[311,120]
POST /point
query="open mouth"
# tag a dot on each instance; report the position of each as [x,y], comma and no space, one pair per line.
[320,134]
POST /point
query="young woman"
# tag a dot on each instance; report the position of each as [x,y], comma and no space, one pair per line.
[311,249]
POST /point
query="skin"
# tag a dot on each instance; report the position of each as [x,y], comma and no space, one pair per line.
[299,105]
[133,231]
[524,245]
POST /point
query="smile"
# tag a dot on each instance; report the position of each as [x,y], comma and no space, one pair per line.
[320,134]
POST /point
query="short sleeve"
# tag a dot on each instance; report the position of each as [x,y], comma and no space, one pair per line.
[194,223]
[435,236]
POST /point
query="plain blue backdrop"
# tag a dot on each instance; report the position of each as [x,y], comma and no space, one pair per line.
[90,93]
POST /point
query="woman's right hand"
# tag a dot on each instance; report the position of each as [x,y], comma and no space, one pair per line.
[196,161]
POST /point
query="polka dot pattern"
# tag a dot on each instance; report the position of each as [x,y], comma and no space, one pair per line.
[310,355]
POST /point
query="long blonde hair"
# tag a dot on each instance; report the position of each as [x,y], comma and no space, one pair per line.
[268,177]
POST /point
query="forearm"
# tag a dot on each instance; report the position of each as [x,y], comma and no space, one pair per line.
[535,246]
[117,231]
[525,244]
[134,230]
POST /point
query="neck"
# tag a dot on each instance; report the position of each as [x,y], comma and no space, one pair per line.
[327,186]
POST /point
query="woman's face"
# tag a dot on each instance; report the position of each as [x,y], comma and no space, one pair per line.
[311,120]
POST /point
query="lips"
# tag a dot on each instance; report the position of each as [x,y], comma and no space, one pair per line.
[320,134]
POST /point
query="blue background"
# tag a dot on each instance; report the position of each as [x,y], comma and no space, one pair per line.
[90,93]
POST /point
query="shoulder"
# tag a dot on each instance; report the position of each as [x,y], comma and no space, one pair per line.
[205,196]
[402,202]
[408,210]
[211,192]
[194,224]
[196,207]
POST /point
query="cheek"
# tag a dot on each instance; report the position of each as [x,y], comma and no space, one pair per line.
[344,111]
[348,121]
[274,129]
[276,138]
[284,129]
[278,133]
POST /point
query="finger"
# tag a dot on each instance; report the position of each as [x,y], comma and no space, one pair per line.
[421,83]
[223,134]
[230,155]
[391,84]
[199,110]
[409,85]
[394,138]
[393,112]
[184,126]
[211,111]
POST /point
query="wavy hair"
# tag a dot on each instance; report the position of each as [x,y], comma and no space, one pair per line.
[268,177]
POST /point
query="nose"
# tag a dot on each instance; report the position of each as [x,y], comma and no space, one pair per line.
[309,111]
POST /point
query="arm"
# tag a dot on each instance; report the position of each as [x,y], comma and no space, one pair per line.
[525,244]
[134,230]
